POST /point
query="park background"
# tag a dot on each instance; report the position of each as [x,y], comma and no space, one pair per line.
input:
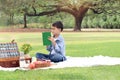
[91,29]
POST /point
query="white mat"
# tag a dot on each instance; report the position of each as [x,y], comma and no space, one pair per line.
[87,61]
[79,62]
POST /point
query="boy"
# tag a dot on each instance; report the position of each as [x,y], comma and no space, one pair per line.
[57,48]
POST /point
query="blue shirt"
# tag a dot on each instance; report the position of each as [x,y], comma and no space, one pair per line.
[59,48]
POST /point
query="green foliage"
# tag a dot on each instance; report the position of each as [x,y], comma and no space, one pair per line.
[89,21]
[14,9]
[101,21]
[26,48]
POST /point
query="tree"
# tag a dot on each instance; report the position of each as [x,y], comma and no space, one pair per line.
[77,8]
[8,9]
[12,7]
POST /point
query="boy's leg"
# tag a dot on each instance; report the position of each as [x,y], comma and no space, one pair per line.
[56,58]
[41,56]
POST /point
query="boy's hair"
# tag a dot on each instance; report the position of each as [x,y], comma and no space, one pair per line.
[58,24]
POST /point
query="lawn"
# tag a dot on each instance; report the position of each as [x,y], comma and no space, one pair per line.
[77,44]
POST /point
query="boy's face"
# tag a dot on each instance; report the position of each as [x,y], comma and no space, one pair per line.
[55,30]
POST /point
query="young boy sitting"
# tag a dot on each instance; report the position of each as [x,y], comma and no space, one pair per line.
[57,48]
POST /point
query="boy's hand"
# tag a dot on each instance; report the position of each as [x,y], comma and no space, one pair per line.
[52,40]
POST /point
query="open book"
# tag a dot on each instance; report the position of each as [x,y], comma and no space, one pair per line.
[45,36]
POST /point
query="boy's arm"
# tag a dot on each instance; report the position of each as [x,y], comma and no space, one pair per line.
[58,45]
[48,48]
[52,40]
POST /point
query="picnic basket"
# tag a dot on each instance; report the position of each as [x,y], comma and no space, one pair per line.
[45,63]
[9,54]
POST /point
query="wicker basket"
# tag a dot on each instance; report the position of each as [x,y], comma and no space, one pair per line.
[9,55]
[43,64]
[9,62]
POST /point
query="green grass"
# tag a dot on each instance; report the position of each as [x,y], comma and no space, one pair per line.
[77,44]
[91,73]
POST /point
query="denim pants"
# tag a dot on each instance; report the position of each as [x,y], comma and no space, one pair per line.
[52,57]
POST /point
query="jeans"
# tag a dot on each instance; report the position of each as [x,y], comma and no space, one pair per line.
[52,57]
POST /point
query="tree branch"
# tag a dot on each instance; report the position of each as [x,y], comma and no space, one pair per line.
[34,9]
[42,13]
[97,11]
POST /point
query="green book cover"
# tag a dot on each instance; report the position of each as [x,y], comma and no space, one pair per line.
[45,36]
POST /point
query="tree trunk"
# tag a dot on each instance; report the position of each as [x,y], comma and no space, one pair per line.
[25,21]
[12,19]
[77,24]
[79,17]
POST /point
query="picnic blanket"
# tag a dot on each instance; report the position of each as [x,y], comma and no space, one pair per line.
[78,62]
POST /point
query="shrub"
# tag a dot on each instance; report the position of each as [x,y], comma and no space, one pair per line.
[26,48]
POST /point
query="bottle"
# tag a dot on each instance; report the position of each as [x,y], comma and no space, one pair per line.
[22,60]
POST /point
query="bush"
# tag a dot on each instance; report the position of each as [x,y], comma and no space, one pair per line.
[26,48]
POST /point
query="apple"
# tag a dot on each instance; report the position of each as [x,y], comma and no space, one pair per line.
[31,65]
